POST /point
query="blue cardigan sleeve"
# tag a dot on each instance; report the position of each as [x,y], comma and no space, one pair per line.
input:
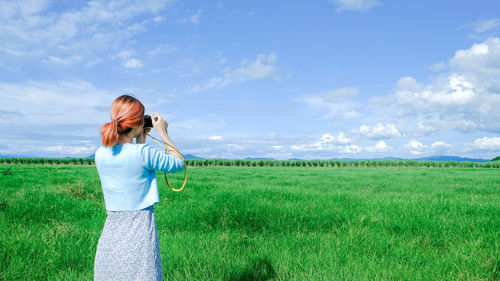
[156,160]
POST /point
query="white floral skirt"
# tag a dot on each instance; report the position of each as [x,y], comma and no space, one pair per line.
[128,248]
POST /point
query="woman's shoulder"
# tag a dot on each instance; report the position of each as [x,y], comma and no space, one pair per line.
[139,146]
[146,151]
[116,152]
[99,150]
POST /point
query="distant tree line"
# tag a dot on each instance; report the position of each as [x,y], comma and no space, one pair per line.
[48,161]
[274,163]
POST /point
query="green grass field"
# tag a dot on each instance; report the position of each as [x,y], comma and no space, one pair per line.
[266,223]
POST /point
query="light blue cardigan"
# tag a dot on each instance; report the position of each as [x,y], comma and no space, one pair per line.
[128,177]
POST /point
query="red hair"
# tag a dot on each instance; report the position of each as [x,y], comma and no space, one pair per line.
[127,112]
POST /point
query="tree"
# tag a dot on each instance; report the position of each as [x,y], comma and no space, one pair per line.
[496,158]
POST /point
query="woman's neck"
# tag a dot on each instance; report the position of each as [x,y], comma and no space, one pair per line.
[124,139]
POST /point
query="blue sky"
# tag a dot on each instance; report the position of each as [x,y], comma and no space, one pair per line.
[234,79]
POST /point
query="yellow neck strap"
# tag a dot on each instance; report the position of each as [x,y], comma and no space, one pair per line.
[185,166]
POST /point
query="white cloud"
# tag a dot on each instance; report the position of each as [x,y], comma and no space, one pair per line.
[127,60]
[193,18]
[379,131]
[132,63]
[215,138]
[474,51]
[326,142]
[440,144]
[124,54]
[338,103]
[483,28]
[49,103]
[46,148]
[64,61]
[58,123]
[434,124]
[89,30]
[269,145]
[71,149]
[234,147]
[206,85]
[486,25]
[480,63]
[407,83]
[415,147]
[464,99]
[354,5]
[457,90]
[202,125]
[340,95]
[263,67]
[350,149]
[345,109]
[488,143]
[327,138]
[381,146]
[162,49]
[341,138]
[438,66]
[335,144]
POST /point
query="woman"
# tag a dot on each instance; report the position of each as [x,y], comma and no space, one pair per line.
[128,248]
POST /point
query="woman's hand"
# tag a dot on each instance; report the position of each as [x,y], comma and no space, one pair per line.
[159,123]
[142,137]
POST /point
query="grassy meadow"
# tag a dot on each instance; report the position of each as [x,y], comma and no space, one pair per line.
[266,223]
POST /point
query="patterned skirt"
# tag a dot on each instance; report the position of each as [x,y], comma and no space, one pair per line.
[128,248]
